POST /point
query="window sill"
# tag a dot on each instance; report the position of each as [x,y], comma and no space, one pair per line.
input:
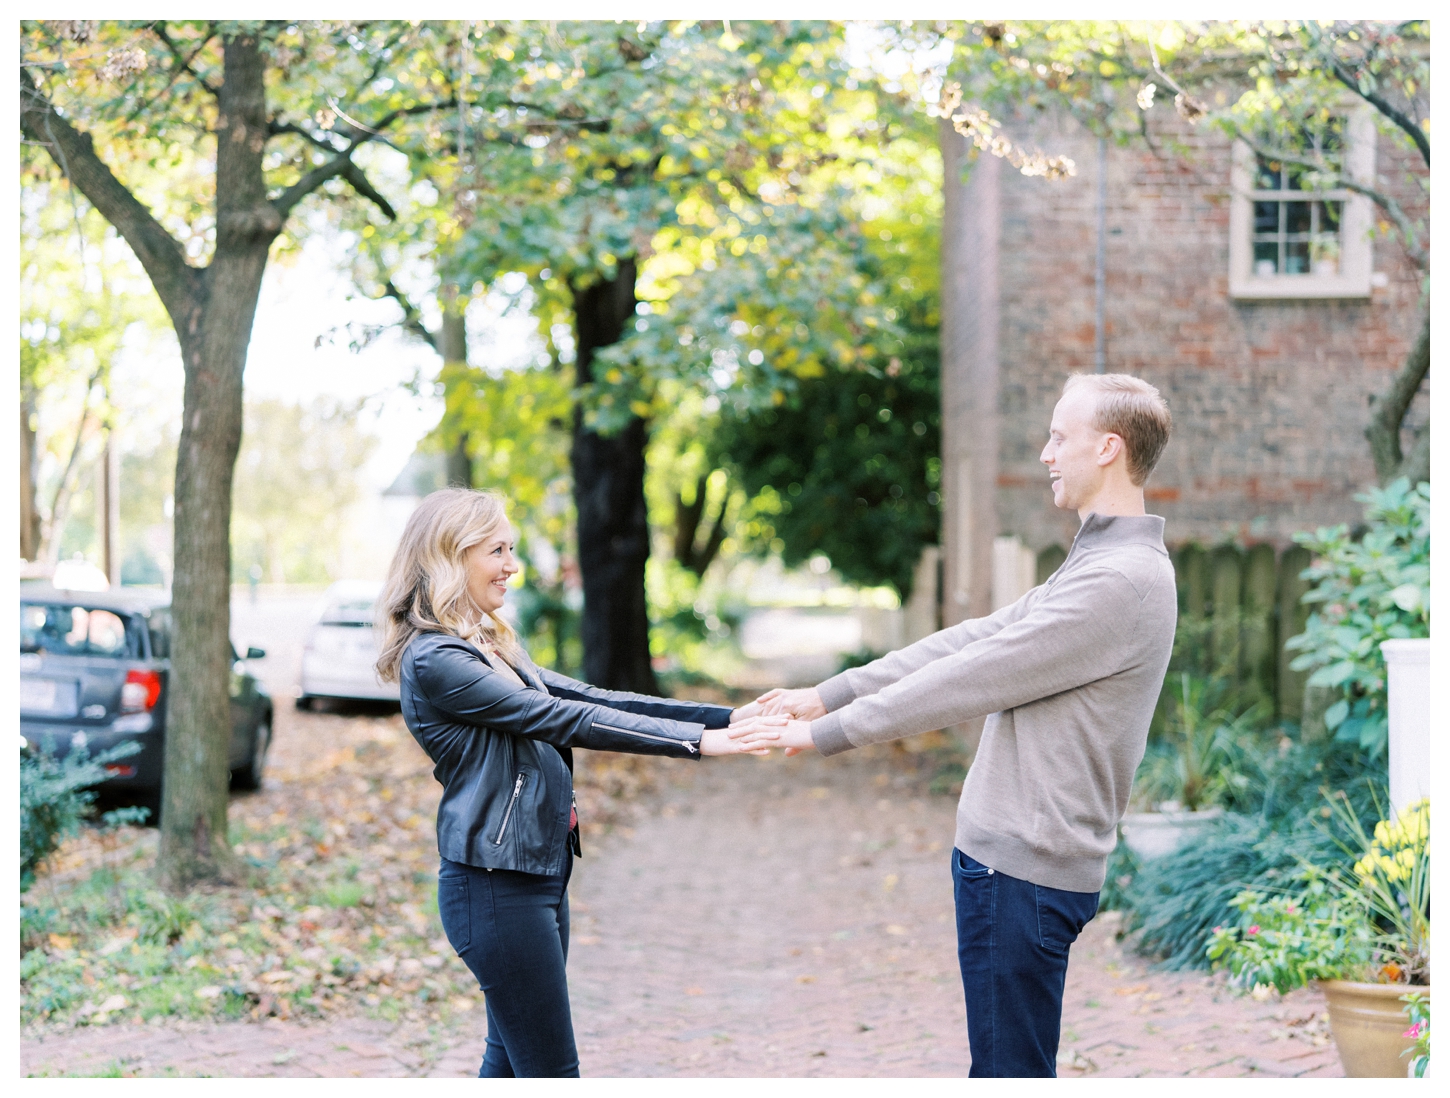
[1298,288]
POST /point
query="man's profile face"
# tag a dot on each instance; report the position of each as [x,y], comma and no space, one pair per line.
[1073,451]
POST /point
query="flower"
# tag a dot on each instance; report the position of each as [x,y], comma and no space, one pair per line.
[1254,929]
[1414,1031]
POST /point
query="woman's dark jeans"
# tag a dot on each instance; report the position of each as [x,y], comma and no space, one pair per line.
[512,931]
[1012,941]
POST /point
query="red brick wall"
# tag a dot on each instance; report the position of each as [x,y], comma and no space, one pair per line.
[1268,398]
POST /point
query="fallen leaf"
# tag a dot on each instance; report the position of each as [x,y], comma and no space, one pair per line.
[805,979]
[1136,989]
[894,929]
[115,1002]
[694,991]
[211,991]
[61,941]
[890,882]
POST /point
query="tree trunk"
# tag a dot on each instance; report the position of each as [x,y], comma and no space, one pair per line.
[194,842]
[29,513]
[1387,417]
[609,497]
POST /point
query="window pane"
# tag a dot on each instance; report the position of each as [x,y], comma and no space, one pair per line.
[1329,213]
[1296,257]
[74,631]
[1267,177]
[1296,219]
[1266,217]
[1266,258]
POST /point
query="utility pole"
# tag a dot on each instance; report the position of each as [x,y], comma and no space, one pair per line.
[108,508]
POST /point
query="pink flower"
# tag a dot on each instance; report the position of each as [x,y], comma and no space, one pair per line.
[1253,930]
[1290,909]
[1413,1031]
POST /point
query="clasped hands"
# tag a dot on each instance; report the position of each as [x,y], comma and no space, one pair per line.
[778,718]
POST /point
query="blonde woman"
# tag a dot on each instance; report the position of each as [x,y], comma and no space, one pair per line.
[500,732]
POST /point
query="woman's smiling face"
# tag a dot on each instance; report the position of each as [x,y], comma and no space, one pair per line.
[489,564]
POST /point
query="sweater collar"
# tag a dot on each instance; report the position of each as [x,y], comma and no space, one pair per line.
[1105,531]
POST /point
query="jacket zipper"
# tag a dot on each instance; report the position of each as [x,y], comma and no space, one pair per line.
[686,744]
[508,812]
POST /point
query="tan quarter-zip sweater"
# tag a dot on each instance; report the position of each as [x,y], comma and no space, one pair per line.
[1069,674]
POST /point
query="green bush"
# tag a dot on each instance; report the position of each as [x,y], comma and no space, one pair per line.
[55,796]
[1175,901]
[1368,590]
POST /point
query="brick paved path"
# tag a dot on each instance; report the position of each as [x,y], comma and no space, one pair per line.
[768,917]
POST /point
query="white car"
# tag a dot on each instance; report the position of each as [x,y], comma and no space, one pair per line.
[338,658]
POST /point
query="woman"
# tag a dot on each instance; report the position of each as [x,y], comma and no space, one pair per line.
[500,732]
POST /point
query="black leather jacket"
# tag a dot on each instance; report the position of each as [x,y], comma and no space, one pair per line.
[502,752]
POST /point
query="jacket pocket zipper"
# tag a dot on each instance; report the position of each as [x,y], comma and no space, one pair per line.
[509,811]
[686,744]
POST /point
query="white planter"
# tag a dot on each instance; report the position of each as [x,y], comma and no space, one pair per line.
[1153,834]
[1407,663]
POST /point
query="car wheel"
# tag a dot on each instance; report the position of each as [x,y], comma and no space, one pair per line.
[250,776]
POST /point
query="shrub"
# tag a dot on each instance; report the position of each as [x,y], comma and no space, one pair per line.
[1367,591]
[55,796]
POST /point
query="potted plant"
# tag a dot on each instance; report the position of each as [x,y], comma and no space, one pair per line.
[1184,784]
[1363,937]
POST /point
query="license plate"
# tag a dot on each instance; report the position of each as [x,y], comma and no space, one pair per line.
[50,696]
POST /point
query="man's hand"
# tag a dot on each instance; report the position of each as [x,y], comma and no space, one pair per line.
[804,704]
[722,741]
[794,736]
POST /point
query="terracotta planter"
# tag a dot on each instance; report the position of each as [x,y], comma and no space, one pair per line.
[1368,1021]
[1153,834]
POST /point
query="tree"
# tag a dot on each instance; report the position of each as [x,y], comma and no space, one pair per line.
[198,141]
[81,296]
[658,157]
[1268,84]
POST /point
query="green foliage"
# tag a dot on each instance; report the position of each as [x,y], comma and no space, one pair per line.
[296,477]
[56,797]
[1417,1006]
[1367,590]
[1371,923]
[1175,901]
[1197,760]
[1285,942]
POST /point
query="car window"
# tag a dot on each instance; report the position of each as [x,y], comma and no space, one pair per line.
[77,631]
[349,612]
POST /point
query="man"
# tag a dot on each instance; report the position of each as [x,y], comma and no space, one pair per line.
[1069,674]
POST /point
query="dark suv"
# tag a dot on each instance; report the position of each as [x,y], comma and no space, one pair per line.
[93,673]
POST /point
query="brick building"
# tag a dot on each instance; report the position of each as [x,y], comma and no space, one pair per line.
[1266,342]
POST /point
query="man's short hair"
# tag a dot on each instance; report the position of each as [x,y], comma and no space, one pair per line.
[1134,411]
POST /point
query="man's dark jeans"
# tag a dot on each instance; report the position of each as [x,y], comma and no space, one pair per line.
[512,931]
[1012,941]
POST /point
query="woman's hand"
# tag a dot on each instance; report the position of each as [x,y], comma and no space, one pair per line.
[794,736]
[804,704]
[719,741]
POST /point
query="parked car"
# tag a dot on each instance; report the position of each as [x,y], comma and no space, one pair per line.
[94,672]
[340,651]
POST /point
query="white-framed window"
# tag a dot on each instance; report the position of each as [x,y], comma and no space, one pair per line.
[1289,241]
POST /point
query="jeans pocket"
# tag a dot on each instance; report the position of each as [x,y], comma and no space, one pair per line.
[1061,915]
[454,911]
[967,867]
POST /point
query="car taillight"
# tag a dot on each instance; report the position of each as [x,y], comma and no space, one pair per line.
[140,691]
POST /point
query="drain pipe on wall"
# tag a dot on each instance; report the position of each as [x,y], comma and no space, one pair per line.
[1100,275]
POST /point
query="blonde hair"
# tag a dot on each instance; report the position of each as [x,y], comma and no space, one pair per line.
[1134,411]
[427,586]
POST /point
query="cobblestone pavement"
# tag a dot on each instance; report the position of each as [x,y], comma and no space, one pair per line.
[766,917]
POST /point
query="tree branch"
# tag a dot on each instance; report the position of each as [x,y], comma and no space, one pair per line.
[276,128]
[354,175]
[1387,414]
[178,284]
[1342,73]
[183,63]
[412,318]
